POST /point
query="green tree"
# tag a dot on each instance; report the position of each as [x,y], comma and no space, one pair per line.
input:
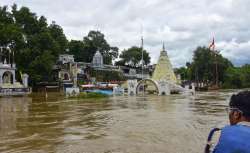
[59,38]
[43,63]
[183,72]
[76,47]
[203,67]
[9,31]
[233,78]
[94,41]
[133,56]
[245,70]
[237,77]
[84,51]
[35,44]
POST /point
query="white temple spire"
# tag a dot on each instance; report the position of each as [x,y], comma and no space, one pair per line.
[163,69]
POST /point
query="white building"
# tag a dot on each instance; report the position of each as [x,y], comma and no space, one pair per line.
[66,58]
[97,60]
[8,83]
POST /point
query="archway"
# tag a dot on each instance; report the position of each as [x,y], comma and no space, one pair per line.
[7,77]
[148,86]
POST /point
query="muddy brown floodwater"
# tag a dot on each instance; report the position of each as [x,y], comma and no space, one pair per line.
[169,124]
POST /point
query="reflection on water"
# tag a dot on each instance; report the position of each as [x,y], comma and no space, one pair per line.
[10,109]
[175,123]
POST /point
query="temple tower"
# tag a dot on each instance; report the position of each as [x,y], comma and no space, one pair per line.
[163,70]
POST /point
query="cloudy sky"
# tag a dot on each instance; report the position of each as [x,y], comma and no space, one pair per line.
[182,25]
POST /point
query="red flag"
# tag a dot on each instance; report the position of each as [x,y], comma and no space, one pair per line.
[212,45]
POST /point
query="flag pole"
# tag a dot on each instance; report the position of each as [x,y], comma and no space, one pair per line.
[216,63]
[9,54]
[216,66]
[142,60]
[216,70]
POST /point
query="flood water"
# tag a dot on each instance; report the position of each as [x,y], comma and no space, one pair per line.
[169,124]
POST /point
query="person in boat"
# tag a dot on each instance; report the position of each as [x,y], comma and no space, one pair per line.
[235,138]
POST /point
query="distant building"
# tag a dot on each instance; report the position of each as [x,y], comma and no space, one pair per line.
[66,66]
[66,58]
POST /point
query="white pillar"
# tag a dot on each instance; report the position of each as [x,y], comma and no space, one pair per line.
[14,77]
[1,79]
[25,80]
[132,84]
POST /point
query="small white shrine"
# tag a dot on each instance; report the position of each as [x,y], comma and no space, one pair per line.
[7,73]
[8,83]
[97,60]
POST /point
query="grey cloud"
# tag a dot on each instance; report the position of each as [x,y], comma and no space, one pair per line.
[182,25]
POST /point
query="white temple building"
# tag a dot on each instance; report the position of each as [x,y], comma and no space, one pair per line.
[8,83]
[97,60]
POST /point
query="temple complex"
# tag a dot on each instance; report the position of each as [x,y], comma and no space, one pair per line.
[96,70]
[163,81]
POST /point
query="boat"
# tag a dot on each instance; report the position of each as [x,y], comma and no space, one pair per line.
[99,87]
[105,92]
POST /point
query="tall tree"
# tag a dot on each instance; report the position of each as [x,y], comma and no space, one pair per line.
[35,44]
[133,56]
[76,47]
[203,65]
[59,37]
[237,77]
[94,41]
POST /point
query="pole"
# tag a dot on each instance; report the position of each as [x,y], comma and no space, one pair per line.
[13,60]
[1,53]
[142,61]
[216,71]
[9,55]
[216,64]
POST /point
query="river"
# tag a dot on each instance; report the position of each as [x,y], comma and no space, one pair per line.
[159,124]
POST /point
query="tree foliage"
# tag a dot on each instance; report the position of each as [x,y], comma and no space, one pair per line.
[133,56]
[76,48]
[237,77]
[36,44]
[202,69]
[85,50]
